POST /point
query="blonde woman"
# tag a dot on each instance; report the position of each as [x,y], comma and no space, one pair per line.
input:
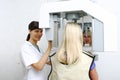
[70,62]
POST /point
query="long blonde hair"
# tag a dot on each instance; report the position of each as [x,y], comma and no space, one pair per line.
[71,46]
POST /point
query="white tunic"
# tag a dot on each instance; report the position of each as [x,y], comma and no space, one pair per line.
[31,55]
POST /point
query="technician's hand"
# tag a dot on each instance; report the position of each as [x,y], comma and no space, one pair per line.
[50,44]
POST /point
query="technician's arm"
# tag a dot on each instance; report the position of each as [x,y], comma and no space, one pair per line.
[40,64]
[93,74]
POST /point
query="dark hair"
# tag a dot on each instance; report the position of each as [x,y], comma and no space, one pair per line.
[33,25]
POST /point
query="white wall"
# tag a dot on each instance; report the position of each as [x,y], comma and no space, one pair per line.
[108,64]
[112,6]
[15,15]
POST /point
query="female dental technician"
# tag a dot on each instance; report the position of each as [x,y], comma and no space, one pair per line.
[33,58]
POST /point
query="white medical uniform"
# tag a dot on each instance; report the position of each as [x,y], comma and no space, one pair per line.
[30,55]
